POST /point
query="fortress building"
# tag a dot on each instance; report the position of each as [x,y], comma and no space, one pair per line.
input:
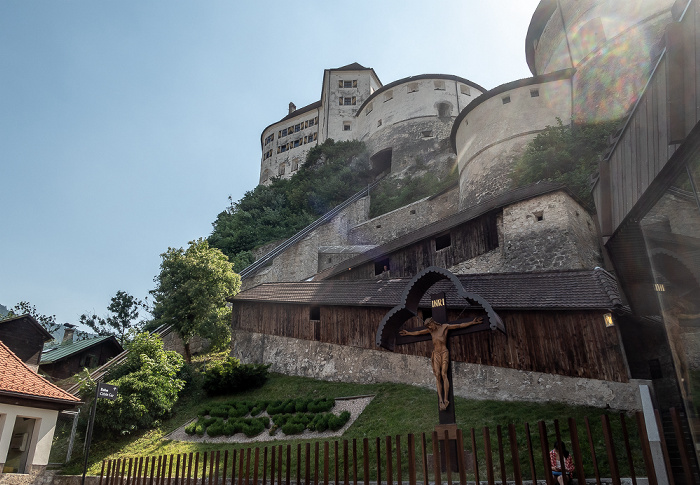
[314,302]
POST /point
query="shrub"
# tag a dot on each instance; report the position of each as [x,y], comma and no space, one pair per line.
[191,428]
[230,376]
[293,428]
[217,428]
[321,405]
[148,389]
[200,428]
[253,428]
[219,411]
[337,422]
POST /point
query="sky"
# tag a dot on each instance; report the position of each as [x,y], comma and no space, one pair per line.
[126,125]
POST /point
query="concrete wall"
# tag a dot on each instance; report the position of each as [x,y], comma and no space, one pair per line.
[494,133]
[565,238]
[471,381]
[40,440]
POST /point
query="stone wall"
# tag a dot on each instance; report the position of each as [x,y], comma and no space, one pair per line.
[471,381]
[172,341]
[549,232]
[403,220]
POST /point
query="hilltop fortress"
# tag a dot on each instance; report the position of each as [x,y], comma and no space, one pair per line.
[316,300]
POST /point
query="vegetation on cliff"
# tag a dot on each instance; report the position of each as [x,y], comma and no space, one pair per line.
[565,153]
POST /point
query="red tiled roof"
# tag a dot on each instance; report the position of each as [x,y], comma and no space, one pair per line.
[552,290]
[16,379]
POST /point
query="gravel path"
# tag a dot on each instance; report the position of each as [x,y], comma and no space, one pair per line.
[355,405]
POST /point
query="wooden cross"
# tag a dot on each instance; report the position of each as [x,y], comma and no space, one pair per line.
[439,330]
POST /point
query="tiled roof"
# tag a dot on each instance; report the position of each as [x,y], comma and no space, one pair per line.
[445,224]
[567,290]
[63,351]
[16,379]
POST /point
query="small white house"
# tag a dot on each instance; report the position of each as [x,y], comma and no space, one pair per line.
[29,407]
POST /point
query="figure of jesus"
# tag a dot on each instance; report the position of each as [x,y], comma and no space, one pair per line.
[441,356]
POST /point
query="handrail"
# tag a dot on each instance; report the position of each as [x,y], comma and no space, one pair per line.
[253,268]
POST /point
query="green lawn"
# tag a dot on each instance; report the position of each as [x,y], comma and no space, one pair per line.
[396,410]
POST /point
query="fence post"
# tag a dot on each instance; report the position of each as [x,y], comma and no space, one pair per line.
[436,459]
[501,458]
[424,458]
[398,460]
[576,448]
[544,447]
[389,468]
[515,456]
[411,459]
[448,463]
[610,448]
[365,459]
[682,449]
[488,456]
[662,438]
[460,458]
[474,458]
[625,435]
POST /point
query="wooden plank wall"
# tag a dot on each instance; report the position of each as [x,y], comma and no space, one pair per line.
[468,240]
[644,147]
[571,343]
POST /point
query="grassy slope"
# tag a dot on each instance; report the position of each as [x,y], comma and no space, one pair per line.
[396,410]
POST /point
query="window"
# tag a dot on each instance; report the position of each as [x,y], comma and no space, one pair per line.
[505,99]
[347,83]
[439,85]
[347,101]
[379,123]
[388,95]
[442,242]
[369,109]
[297,143]
[413,211]
[284,132]
[310,122]
[346,126]
[444,110]
[279,149]
[283,148]
[315,313]
[464,89]
[269,139]
[534,93]
[427,134]
[296,128]
[295,165]
[412,87]
[539,216]
[381,267]
[280,169]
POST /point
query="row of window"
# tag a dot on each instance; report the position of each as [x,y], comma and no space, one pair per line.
[534,93]
[298,142]
[347,84]
[269,139]
[347,101]
[295,128]
[267,154]
[412,88]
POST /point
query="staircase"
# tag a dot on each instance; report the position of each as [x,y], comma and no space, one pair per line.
[255,267]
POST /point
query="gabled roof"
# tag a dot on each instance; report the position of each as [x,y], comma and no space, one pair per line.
[39,328]
[552,290]
[445,224]
[64,351]
[19,381]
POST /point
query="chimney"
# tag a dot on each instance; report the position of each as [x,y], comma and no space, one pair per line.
[292,108]
[68,331]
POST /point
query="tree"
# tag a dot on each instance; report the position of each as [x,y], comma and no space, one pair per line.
[566,154]
[24,308]
[148,388]
[191,291]
[124,311]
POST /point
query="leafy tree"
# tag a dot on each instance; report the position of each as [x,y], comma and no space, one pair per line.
[565,153]
[24,307]
[332,173]
[148,388]
[191,291]
[124,310]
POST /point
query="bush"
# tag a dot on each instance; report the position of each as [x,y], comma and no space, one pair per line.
[337,422]
[293,428]
[217,428]
[148,389]
[230,376]
[321,405]
[190,428]
[253,428]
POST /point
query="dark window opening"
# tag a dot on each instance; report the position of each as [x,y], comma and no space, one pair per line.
[315,313]
[413,211]
[381,267]
[505,99]
[539,216]
[380,162]
[444,110]
[534,93]
[442,242]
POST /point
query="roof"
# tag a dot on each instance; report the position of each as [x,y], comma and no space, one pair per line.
[450,77]
[18,380]
[352,67]
[509,86]
[64,351]
[445,224]
[552,290]
[33,321]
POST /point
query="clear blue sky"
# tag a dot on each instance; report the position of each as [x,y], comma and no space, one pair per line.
[125,125]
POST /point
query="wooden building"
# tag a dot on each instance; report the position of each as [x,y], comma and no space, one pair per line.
[25,337]
[554,320]
[69,358]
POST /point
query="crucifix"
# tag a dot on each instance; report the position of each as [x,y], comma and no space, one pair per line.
[439,330]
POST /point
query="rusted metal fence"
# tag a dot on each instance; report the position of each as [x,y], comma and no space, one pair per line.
[605,447]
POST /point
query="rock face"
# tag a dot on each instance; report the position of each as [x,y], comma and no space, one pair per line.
[472,381]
